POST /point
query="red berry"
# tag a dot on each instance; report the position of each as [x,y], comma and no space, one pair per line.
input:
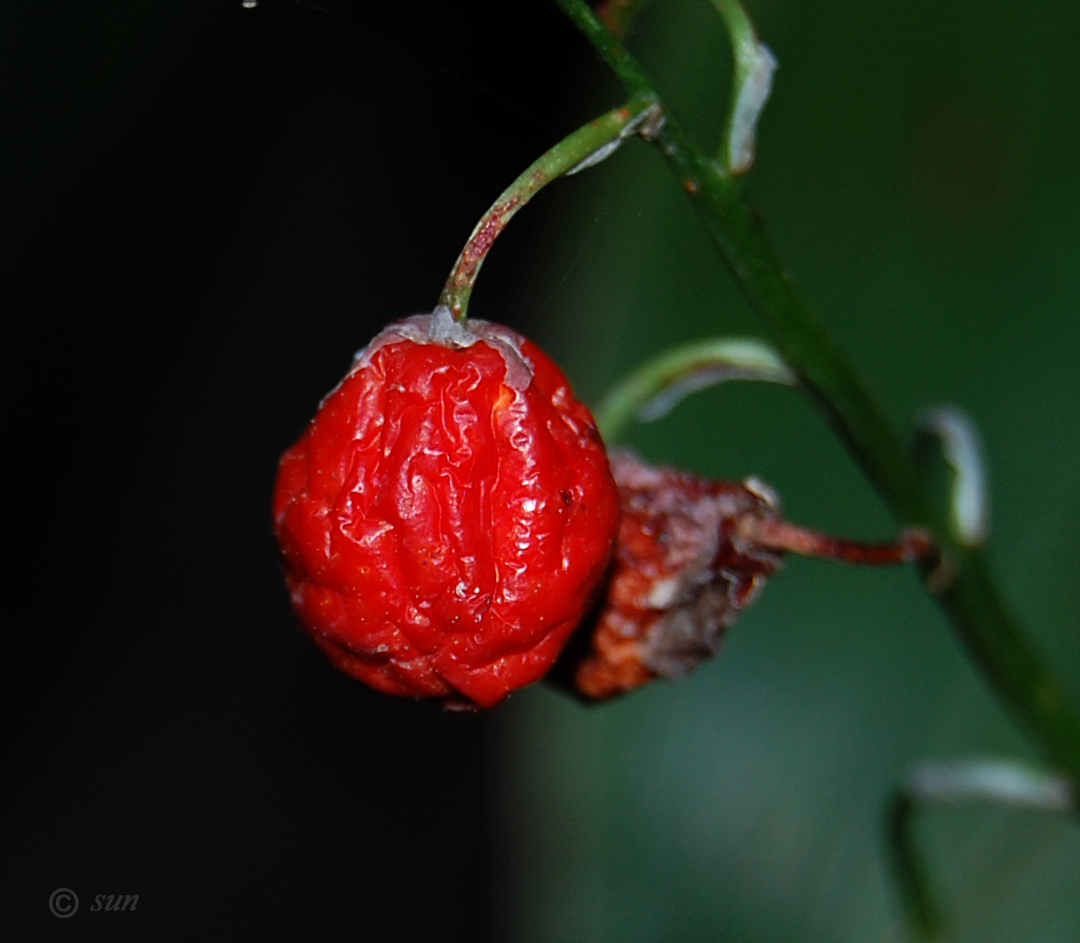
[448,514]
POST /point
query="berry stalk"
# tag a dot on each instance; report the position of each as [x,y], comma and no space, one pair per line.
[778,534]
[587,146]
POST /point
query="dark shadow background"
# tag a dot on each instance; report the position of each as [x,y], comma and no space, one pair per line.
[206,210]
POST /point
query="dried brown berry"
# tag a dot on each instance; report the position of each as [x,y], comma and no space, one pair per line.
[692,554]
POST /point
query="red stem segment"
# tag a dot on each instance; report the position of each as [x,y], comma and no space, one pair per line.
[775,534]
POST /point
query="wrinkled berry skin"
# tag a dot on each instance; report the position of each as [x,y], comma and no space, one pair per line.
[448,514]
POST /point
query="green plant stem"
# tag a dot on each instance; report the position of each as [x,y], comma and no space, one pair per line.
[619,14]
[920,904]
[748,58]
[590,141]
[1003,782]
[657,385]
[960,579]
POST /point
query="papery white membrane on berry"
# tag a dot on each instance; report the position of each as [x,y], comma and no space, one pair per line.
[440,328]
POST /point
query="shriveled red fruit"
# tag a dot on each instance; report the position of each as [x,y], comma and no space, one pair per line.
[448,514]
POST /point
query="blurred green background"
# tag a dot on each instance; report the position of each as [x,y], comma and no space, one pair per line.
[917,169]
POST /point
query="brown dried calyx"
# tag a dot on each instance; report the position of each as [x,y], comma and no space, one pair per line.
[691,555]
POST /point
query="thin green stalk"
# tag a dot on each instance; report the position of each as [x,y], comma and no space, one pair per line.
[587,145]
[753,67]
[922,909]
[961,580]
[617,57]
[738,24]
[617,15]
[658,384]
[1003,782]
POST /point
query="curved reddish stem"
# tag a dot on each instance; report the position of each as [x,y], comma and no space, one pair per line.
[775,534]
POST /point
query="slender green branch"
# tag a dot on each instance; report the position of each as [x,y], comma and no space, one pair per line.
[738,24]
[586,146]
[963,585]
[653,389]
[985,779]
[922,910]
[617,57]
[617,15]
[752,81]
